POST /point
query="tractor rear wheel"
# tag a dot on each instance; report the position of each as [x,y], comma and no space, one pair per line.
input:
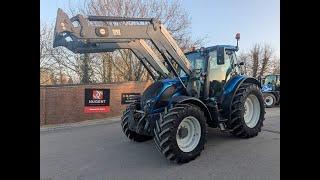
[180,134]
[127,114]
[269,100]
[247,111]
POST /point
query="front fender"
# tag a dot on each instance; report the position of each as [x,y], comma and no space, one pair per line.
[192,100]
[231,88]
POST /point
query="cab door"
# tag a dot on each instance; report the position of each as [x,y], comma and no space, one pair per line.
[221,69]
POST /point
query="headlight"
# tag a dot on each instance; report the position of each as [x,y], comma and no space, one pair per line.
[148,105]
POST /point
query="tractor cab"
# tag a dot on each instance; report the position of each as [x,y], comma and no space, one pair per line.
[217,64]
[271,82]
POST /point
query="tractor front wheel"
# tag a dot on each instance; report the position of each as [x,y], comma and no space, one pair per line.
[127,114]
[180,134]
[247,111]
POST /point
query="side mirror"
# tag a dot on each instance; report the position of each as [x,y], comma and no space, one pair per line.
[220,55]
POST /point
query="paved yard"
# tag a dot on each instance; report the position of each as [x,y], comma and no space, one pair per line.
[103,152]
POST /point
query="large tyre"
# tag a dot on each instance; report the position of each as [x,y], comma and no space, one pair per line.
[247,111]
[180,134]
[125,125]
[269,100]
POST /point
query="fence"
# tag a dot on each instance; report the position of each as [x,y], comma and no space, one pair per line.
[65,104]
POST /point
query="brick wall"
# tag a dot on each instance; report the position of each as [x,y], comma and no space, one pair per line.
[65,104]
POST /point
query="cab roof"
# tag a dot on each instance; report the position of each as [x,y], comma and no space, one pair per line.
[230,47]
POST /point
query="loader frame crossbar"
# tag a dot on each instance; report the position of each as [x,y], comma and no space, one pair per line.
[113,18]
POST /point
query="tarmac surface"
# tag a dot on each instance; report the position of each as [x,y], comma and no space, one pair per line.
[101,151]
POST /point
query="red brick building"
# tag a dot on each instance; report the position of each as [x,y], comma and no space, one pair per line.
[65,104]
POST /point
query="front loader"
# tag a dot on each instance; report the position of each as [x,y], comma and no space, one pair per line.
[192,91]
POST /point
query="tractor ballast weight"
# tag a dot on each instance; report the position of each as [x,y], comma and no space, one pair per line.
[191,91]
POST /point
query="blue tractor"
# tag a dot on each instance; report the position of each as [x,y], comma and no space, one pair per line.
[191,91]
[271,90]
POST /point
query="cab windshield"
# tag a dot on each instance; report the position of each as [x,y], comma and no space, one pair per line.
[197,61]
[218,71]
[271,79]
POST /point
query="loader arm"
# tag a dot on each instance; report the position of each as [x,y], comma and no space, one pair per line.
[88,38]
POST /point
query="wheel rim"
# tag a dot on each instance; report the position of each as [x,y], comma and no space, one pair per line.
[188,134]
[268,100]
[252,111]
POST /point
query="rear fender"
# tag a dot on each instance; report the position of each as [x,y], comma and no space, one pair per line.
[231,88]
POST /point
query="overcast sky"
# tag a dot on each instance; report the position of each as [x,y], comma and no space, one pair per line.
[219,20]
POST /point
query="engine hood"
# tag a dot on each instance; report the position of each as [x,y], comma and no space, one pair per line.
[159,93]
[266,88]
